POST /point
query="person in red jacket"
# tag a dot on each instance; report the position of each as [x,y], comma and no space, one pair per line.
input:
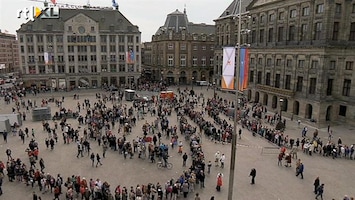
[219,181]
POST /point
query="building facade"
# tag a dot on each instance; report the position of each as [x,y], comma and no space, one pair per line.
[227,34]
[181,51]
[9,54]
[302,58]
[89,47]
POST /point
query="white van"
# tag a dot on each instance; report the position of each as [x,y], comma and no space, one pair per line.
[202,83]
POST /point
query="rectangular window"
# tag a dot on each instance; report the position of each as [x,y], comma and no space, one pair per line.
[61,69]
[349,65]
[338,8]
[288,82]
[342,110]
[112,48]
[113,58]
[305,11]
[304,31]
[260,61]
[353,9]
[253,36]
[203,61]
[112,38]
[261,35]
[71,69]
[346,87]
[332,64]
[195,48]
[122,68]
[280,36]
[314,64]
[194,61]
[103,48]
[103,38]
[259,77]
[317,30]
[183,60]
[92,48]
[252,61]
[251,76]
[292,33]
[278,62]
[70,49]
[335,31]
[289,63]
[319,8]
[299,85]
[170,61]
[312,85]
[183,47]
[301,63]
[330,87]
[262,18]
[121,38]
[268,62]
[113,68]
[277,81]
[272,17]
[281,16]
[352,32]
[268,80]
[293,13]
[170,46]
[271,35]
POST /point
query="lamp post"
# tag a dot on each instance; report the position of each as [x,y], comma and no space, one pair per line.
[214,89]
[234,134]
[281,105]
[192,82]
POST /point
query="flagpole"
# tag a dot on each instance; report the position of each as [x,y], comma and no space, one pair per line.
[236,106]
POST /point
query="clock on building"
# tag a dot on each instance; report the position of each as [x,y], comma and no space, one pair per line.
[81,29]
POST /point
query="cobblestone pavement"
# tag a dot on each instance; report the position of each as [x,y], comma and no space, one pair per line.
[272,181]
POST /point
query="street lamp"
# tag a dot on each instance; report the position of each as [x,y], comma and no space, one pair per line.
[192,82]
[281,106]
[214,89]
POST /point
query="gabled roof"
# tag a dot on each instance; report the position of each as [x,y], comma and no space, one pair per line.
[105,17]
[233,9]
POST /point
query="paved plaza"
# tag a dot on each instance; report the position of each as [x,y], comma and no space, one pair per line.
[272,181]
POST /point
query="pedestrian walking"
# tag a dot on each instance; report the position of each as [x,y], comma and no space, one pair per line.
[8,153]
[217,157]
[316,184]
[219,182]
[252,174]
[92,158]
[240,133]
[33,133]
[280,157]
[184,158]
[41,164]
[4,134]
[209,165]
[300,169]
[320,191]
[98,159]
[222,159]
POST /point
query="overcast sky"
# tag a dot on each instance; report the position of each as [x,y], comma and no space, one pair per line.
[148,15]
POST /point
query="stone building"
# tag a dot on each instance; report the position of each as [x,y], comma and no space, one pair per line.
[181,51]
[302,58]
[9,54]
[88,47]
[227,33]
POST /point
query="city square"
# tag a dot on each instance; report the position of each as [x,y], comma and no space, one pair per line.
[272,181]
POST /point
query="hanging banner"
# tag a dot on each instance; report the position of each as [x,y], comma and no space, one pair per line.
[130,57]
[244,69]
[46,58]
[228,68]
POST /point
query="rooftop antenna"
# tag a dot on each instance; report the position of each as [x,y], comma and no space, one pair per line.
[45,3]
[185,8]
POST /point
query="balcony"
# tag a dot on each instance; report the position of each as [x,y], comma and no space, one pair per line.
[276,91]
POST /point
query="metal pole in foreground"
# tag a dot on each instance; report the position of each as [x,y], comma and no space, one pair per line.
[234,134]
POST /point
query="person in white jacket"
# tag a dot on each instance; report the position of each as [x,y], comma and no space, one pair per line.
[217,157]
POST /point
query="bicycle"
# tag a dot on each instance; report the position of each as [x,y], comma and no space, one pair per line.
[161,165]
